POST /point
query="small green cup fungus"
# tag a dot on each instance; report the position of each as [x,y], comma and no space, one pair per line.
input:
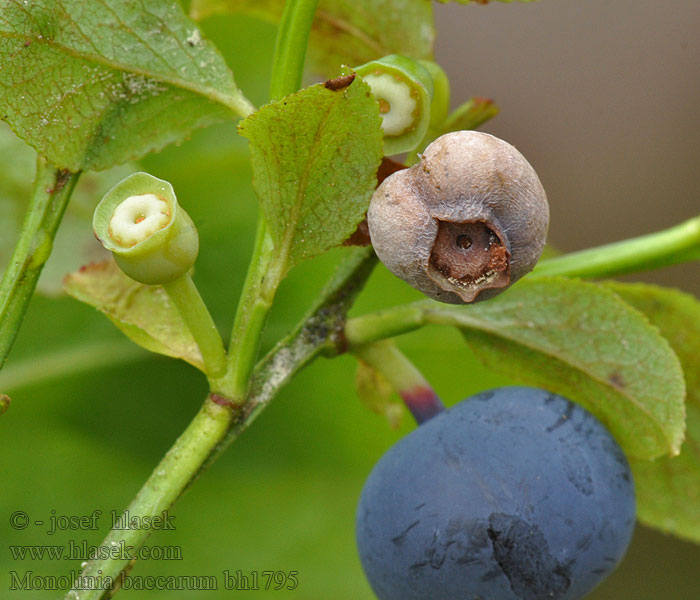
[152,238]
[404,89]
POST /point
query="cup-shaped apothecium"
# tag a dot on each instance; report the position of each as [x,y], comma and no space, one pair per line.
[152,238]
[465,222]
[404,89]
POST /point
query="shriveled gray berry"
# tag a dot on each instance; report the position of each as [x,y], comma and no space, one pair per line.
[465,222]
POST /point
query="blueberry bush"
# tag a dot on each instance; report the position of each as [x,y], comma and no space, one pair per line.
[123,121]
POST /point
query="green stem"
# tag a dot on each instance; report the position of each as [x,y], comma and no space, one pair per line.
[384,324]
[290,47]
[264,273]
[206,433]
[186,298]
[397,320]
[174,473]
[320,332]
[254,305]
[240,104]
[216,426]
[415,390]
[52,190]
[675,245]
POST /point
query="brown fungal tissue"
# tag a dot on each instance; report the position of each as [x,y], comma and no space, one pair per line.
[465,222]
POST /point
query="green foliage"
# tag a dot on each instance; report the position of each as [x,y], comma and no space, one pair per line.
[315,156]
[582,341]
[99,83]
[90,84]
[346,32]
[144,313]
[668,489]
[75,244]
[470,115]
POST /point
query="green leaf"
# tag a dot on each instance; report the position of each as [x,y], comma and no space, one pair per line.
[350,32]
[92,84]
[582,341]
[315,156]
[143,312]
[668,489]
[377,394]
[470,115]
[74,244]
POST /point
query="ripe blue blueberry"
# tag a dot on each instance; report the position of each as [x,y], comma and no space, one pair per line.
[514,494]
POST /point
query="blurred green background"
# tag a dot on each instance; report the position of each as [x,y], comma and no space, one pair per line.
[283,497]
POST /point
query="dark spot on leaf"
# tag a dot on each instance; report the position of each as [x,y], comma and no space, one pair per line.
[5,401]
[615,378]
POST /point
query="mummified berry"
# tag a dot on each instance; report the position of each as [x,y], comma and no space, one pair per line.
[465,222]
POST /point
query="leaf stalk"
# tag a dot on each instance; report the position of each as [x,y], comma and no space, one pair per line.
[186,298]
[675,245]
[52,191]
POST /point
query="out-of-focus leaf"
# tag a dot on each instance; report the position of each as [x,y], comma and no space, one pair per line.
[16,175]
[582,341]
[315,156]
[470,115]
[349,32]
[93,84]
[75,244]
[377,394]
[668,489]
[143,312]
